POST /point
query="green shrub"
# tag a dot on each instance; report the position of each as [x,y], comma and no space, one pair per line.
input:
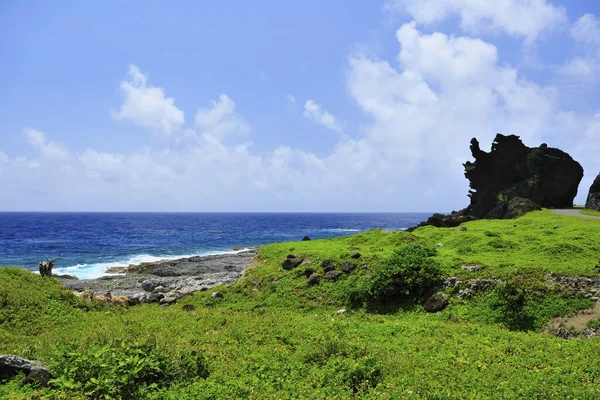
[123,370]
[593,324]
[511,303]
[409,272]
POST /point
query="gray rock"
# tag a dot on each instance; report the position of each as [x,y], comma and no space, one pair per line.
[167,300]
[472,268]
[440,245]
[291,262]
[332,275]
[348,267]
[11,365]
[159,289]
[327,265]
[463,228]
[436,303]
[155,297]
[341,312]
[150,284]
[313,279]
[217,295]
[138,298]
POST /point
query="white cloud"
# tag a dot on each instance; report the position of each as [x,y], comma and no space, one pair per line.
[146,105]
[587,29]
[290,98]
[522,18]
[48,149]
[316,114]
[220,120]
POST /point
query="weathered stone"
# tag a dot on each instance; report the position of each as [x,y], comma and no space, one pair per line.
[355,255]
[436,303]
[217,295]
[341,312]
[305,238]
[167,300]
[39,375]
[593,198]
[308,272]
[313,279]
[332,275]
[348,266]
[519,206]
[150,284]
[34,371]
[463,228]
[159,289]
[291,262]
[472,268]
[155,297]
[138,298]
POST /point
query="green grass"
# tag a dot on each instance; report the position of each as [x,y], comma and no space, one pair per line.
[273,336]
[590,212]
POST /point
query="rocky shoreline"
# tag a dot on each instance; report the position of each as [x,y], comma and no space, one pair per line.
[168,280]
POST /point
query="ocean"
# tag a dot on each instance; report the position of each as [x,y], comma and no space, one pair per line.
[86,244]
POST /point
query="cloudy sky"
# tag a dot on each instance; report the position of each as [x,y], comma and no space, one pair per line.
[284,105]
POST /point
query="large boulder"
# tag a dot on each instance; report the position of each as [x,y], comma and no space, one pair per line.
[513,179]
[34,371]
[547,176]
[593,199]
[436,303]
[291,262]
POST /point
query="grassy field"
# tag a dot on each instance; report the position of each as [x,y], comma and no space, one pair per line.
[274,336]
[591,212]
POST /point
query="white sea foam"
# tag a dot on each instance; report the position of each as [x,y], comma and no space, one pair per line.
[339,230]
[96,270]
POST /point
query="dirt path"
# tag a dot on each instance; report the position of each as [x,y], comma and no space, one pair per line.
[573,212]
[579,320]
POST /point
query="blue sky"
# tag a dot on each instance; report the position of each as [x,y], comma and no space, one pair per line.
[284,106]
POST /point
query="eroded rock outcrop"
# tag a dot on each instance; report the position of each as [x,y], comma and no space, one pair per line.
[593,199]
[513,179]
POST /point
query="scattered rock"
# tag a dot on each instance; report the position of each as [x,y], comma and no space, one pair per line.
[150,284]
[305,238]
[327,265]
[313,279]
[348,266]
[476,286]
[308,272]
[463,228]
[436,303]
[332,275]
[159,289]
[217,295]
[155,297]
[341,312]
[138,298]
[167,300]
[188,307]
[355,255]
[34,371]
[440,245]
[593,199]
[291,262]
[556,227]
[236,248]
[472,268]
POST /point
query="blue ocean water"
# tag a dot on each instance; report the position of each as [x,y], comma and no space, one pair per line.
[89,243]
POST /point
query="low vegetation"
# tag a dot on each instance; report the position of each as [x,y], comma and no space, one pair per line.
[274,335]
[590,212]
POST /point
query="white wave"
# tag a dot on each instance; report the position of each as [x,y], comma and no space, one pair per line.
[339,230]
[96,270]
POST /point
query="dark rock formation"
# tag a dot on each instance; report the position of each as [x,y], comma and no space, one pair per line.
[313,279]
[34,371]
[593,199]
[291,262]
[332,275]
[327,265]
[513,179]
[305,238]
[308,272]
[436,303]
[547,176]
[348,266]
[355,255]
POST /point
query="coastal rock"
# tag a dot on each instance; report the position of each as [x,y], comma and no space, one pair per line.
[291,262]
[593,198]
[155,297]
[138,298]
[150,284]
[313,279]
[348,266]
[305,238]
[167,300]
[332,275]
[159,289]
[11,365]
[355,255]
[472,268]
[308,272]
[217,295]
[327,265]
[512,179]
[436,303]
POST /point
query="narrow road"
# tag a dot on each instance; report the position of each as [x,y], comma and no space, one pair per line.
[573,212]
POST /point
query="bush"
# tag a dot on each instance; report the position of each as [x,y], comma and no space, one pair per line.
[409,272]
[511,303]
[123,370]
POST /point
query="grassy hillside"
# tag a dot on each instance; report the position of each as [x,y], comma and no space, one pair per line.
[275,336]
